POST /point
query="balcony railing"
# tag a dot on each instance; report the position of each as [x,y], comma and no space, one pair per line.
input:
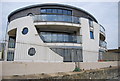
[61,38]
[57,18]
[102,44]
[102,29]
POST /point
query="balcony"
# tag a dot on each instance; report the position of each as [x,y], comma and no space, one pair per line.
[102,44]
[50,37]
[56,18]
[102,29]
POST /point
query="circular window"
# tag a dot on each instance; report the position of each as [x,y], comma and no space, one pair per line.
[31,51]
[25,31]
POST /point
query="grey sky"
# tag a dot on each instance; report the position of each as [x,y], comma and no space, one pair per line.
[105,12]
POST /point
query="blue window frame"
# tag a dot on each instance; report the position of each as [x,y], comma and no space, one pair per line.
[91,35]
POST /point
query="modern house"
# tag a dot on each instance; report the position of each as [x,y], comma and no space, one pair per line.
[54,33]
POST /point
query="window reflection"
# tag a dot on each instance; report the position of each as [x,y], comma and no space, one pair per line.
[56,11]
[58,37]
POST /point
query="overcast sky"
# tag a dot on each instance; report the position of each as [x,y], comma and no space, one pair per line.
[105,12]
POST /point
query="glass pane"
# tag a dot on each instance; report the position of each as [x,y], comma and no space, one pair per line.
[65,12]
[60,17]
[54,10]
[60,11]
[43,10]
[69,12]
[43,17]
[91,23]
[49,10]
[65,38]
[54,37]
[60,37]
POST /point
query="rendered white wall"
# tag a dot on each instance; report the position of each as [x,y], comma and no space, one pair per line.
[27,68]
[31,39]
[90,46]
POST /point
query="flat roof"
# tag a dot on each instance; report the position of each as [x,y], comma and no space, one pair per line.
[49,4]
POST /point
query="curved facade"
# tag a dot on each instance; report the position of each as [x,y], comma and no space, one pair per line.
[54,33]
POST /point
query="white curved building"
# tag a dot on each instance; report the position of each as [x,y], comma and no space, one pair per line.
[54,33]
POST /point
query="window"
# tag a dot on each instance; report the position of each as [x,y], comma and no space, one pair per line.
[90,23]
[43,10]
[60,11]
[91,35]
[65,12]
[56,11]
[25,31]
[11,43]
[49,10]
[31,51]
[10,56]
[69,13]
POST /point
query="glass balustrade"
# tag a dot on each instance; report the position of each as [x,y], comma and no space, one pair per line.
[59,18]
[49,37]
[103,44]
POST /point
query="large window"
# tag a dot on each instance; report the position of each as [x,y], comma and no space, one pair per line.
[11,43]
[69,55]
[56,11]
[10,56]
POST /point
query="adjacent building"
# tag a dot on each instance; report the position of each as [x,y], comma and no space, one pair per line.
[54,33]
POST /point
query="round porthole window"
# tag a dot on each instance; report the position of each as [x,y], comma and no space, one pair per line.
[31,51]
[25,31]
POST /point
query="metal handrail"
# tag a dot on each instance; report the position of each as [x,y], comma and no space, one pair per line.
[102,29]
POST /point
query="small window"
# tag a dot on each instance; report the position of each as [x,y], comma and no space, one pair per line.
[31,51]
[90,23]
[91,35]
[25,31]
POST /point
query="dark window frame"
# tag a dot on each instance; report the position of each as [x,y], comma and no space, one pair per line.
[25,31]
[31,51]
